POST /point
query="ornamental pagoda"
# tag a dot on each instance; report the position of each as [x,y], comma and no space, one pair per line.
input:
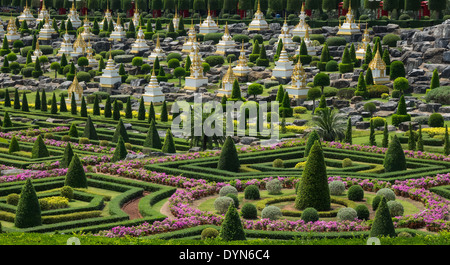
[349,27]
[226,42]
[118,34]
[362,47]
[286,36]
[192,37]
[153,92]
[110,75]
[73,16]
[258,23]
[66,45]
[283,67]
[298,88]
[46,31]
[378,67]
[43,13]
[157,52]
[209,25]
[79,47]
[196,79]
[11,31]
[301,27]
[227,83]
[242,68]
[76,89]
[26,14]
[36,53]
[140,45]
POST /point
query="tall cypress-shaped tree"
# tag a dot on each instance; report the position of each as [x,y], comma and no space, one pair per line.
[382,224]
[312,138]
[7,120]
[141,110]
[116,111]
[120,131]
[236,91]
[369,77]
[54,106]
[232,228]
[164,112]
[446,142]
[73,132]
[372,140]
[385,141]
[169,144]
[7,98]
[313,190]
[394,159]
[107,110]
[96,107]
[361,89]
[120,152]
[128,110]
[348,133]
[76,177]
[435,80]
[151,113]
[62,104]
[13,145]
[73,105]
[25,102]
[153,140]
[368,57]
[89,130]
[280,94]
[39,149]
[411,138]
[67,157]
[420,140]
[83,110]
[37,101]
[16,99]
[229,159]
[28,211]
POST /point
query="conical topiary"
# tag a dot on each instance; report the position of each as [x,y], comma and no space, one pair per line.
[73,104]
[348,133]
[153,140]
[128,110]
[151,112]
[7,120]
[13,145]
[120,152]
[169,144]
[62,104]
[76,177]
[313,190]
[83,110]
[67,157]
[107,111]
[16,99]
[44,101]
[394,159]
[116,111]
[96,107]
[8,99]
[229,159]
[232,228]
[120,131]
[54,106]
[28,211]
[141,110]
[89,130]
[312,138]
[73,132]
[382,224]
[39,149]
[164,112]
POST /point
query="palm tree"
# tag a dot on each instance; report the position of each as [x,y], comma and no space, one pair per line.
[330,124]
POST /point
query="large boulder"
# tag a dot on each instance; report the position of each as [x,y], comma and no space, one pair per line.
[434,55]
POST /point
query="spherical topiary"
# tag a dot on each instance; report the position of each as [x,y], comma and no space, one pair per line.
[395,208]
[347,162]
[387,193]
[252,193]
[332,66]
[347,214]
[391,39]
[274,186]
[355,193]
[226,190]
[209,233]
[362,212]
[221,204]
[337,187]
[278,163]
[235,199]
[310,215]
[404,234]
[271,212]
[436,120]
[249,211]
[376,200]
[67,192]
[12,199]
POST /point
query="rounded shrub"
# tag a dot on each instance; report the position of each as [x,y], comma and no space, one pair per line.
[274,186]
[337,187]
[300,110]
[65,138]
[347,214]
[404,17]
[404,234]
[387,193]
[376,201]
[83,76]
[278,163]
[362,212]
[395,208]
[336,41]
[347,162]
[239,38]
[209,233]
[310,215]
[222,203]
[258,37]
[332,66]
[355,193]
[249,211]
[67,192]
[271,212]
[215,37]
[83,140]
[378,121]
[436,120]
[12,199]
[235,199]
[227,190]
[251,192]
[391,39]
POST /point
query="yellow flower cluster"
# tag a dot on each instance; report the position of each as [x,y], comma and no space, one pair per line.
[436,131]
[296,129]
[55,202]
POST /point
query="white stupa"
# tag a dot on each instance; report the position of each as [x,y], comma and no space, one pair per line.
[36,53]
[298,88]
[140,44]
[153,92]
[226,42]
[110,74]
[43,13]
[197,78]
[79,47]
[11,31]
[87,30]
[157,52]
[283,67]
[258,23]
[118,34]
[136,16]
[227,83]
[301,27]
[76,89]
[192,37]
[73,16]
[242,68]
[309,44]
[209,25]
[47,31]
[285,36]
[349,27]
[66,45]
[378,67]
[175,20]
[90,56]
[26,14]
[107,18]
[362,47]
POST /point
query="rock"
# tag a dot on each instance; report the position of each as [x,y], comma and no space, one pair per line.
[445,109]
[194,149]
[51,120]
[65,85]
[429,107]
[275,26]
[138,82]
[416,72]
[340,83]
[14,171]
[356,99]
[392,27]
[445,73]
[254,75]
[404,126]
[362,125]
[300,122]
[434,55]
[389,106]
[246,140]
[354,119]
[339,103]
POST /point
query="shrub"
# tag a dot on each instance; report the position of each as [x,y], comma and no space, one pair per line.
[395,208]
[310,215]
[387,193]
[39,149]
[221,204]
[258,37]
[215,37]
[404,234]
[241,37]
[278,163]
[235,199]
[249,211]
[337,187]
[376,200]
[231,228]
[347,214]
[397,69]
[209,233]
[355,193]
[75,177]
[347,162]
[436,120]
[439,95]
[332,66]
[404,17]
[318,37]
[394,159]
[345,93]
[271,212]
[378,121]
[214,60]
[391,39]
[65,138]
[55,202]
[382,224]
[83,140]
[67,192]
[251,192]
[229,159]
[12,199]
[336,41]
[375,91]
[274,186]
[300,110]
[224,191]
[28,212]
[362,212]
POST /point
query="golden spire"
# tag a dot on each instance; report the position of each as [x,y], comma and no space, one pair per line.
[158,45]
[118,19]
[377,62]
[303,7]
[107,5]
[43,5]
[259,8]
[229,76]
[307,32]
[226,29]
[135,7]
[349,6]
[242,46]
[176,12]
[192,23]
[37,45]
[73,6]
